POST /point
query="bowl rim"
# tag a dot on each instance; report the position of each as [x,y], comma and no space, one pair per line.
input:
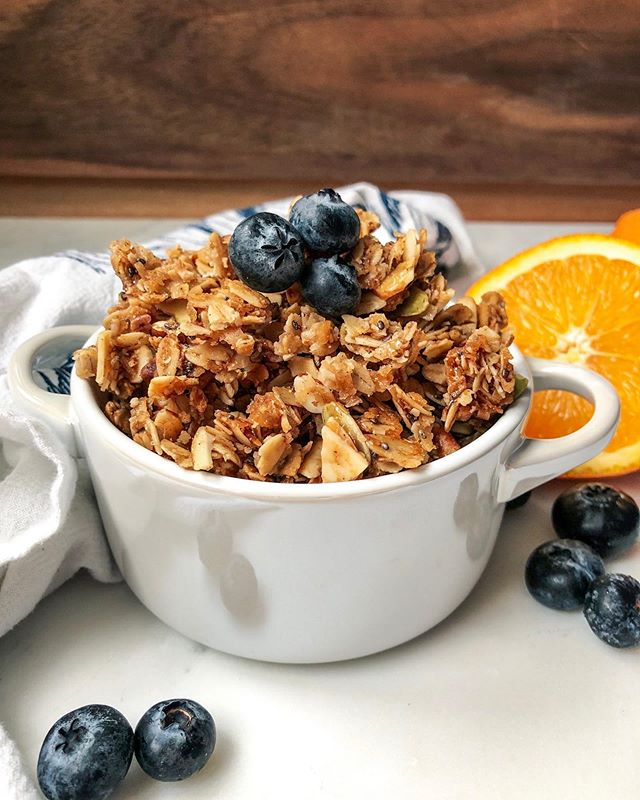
[86,411]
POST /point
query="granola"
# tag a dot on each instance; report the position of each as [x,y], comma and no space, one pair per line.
[198,367]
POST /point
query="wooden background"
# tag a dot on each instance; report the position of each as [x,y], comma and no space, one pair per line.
[519,108]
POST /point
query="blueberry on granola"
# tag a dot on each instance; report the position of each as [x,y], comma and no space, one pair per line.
[86,754]
[327,224]
[174,739]
[267,252]
[331,286]
[612,609]
[559,573]
[599,515]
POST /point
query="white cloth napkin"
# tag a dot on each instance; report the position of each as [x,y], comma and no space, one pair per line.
[14,782]
[49,526]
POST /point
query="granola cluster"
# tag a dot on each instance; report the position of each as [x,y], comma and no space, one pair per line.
[198,367]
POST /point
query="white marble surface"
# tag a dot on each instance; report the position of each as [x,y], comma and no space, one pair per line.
[505,699]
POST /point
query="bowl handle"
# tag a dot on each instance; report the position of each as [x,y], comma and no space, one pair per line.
[538,460]
[31,399]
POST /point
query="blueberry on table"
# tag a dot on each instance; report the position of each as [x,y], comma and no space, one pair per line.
[612,609]
[517,502]
[267,253]
[331,286]
[327,224]
[599,515]
[85,755]
[559,573]
[174,739]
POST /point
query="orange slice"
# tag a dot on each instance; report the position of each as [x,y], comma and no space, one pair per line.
[628,226]
[577,299]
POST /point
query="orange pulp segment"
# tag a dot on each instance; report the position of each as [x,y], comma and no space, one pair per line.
[577,299]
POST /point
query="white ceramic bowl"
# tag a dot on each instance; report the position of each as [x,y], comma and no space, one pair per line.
[308,573]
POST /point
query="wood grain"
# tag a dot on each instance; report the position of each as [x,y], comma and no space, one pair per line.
[413,92]
[117,197]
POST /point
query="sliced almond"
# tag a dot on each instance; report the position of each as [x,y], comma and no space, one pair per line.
[153,433]
[103,363]
[470,303]
[191,329]
[338,413]
[221,315]
[312,464]
[201,450]
[311,394]
[179,454]
[168,424]
[168,356]
[139,360]
[167,385]
[406,453]
[435,373]
[206,355]
[244,292]
[285,394]
[397,281]
[291,462]
[369,302]
[457,314]
[132,339]
[404,273]
[340,459]
[302,365]
[275,297]
[86,361]
[270,453]
[177,309]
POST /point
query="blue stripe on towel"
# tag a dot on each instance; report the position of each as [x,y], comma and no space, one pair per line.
[57,379]
[392,207]
[443,238]
[98,262]
[246,212]
[201,226]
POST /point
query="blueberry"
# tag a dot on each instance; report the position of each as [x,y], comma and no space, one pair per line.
[85,755]
[327,224]
[331,286]
[612,609]
[559,573]
[267,253]
[174,739]
[517,502]
[602,517]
